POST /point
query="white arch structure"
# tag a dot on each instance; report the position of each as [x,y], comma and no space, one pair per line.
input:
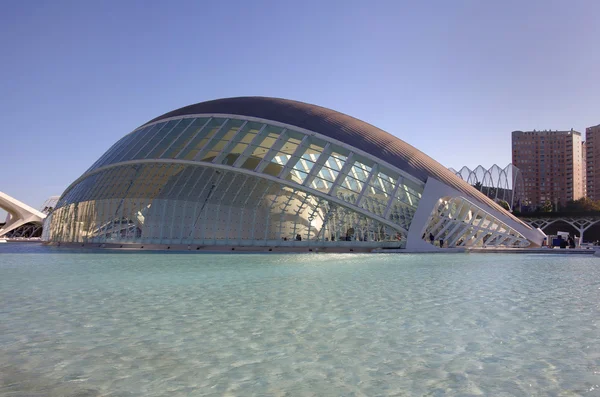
[497,183]
[19,214]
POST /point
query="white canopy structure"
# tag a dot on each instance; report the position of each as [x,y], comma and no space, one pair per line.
[19,214]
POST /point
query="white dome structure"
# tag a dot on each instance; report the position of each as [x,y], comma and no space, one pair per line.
[274,174]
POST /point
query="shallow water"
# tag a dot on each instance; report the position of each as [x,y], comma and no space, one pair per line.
[84,323]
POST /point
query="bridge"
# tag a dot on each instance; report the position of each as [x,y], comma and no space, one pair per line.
[580,222]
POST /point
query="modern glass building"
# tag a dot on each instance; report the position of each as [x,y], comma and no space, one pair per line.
[274,174]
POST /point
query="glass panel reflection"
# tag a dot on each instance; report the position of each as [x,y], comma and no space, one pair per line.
[183,203]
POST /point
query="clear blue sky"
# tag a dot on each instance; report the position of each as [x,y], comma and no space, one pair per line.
[452,78]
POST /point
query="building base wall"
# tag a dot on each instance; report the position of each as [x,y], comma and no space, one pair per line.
[296,247]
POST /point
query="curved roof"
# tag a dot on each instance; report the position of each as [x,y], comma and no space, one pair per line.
[337,126]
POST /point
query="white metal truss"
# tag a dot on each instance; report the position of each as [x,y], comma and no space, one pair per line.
[372,159]
[460,223]
[495,182]
[295,162]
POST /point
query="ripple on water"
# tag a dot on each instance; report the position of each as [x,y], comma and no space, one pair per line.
[150,324]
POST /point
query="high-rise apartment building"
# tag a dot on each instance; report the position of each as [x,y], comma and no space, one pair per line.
[584,167]
[592,162]
[551,165]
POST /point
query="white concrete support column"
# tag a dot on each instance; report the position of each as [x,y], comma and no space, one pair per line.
[472,225]
[434,190]
[581,224]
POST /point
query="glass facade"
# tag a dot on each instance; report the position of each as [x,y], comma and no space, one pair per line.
[235,181]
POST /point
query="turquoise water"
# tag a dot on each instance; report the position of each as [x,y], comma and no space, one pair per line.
[83,323]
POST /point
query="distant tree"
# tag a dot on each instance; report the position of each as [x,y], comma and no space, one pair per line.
[478,186]
[504,205]
[546,207]
[583,204]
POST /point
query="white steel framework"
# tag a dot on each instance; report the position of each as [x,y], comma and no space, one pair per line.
[210,179]
[457,222]
[497,183]
[233,181]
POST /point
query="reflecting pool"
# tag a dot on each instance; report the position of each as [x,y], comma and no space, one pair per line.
[85,323]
